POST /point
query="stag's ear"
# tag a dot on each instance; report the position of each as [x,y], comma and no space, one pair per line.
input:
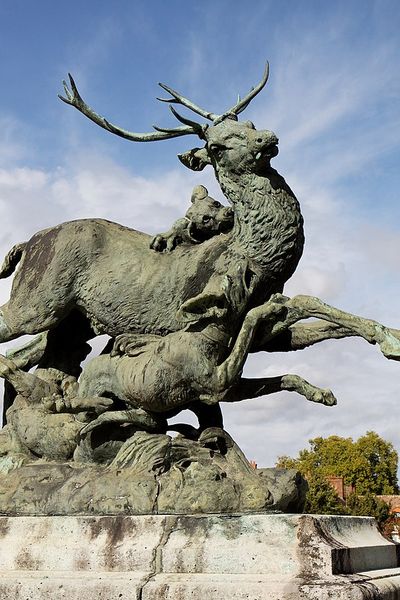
[195,159]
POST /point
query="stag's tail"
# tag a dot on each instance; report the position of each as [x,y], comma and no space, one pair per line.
[11,260]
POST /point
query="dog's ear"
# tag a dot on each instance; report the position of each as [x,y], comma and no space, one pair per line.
[238,286]
[206,306]
[199,192]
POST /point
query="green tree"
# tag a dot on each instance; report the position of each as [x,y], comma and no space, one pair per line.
[368,505]
[322,499]
[376,471]
[369,464]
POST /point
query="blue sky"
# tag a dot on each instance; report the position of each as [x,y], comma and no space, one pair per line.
[333,99]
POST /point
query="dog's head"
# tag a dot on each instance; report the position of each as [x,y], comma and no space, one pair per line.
[207,216]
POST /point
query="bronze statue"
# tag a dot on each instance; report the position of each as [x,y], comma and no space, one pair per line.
[183,310]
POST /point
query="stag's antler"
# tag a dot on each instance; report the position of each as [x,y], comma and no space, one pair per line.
[243,103]
[239,107]
[74,99]
[177,98]
[163,133]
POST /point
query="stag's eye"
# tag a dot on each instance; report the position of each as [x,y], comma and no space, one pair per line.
[217,148]
[206,218]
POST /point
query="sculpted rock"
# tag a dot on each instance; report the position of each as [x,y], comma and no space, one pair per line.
[152,474]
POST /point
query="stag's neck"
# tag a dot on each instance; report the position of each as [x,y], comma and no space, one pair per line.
[268,222]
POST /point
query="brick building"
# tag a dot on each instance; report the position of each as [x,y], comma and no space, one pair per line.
[342,490]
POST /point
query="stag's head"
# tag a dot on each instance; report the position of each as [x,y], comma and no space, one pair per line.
[231,147]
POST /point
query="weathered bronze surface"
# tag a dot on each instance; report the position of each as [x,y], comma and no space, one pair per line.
[183,311]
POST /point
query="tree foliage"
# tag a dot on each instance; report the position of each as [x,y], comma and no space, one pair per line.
[368,505]
[369,463]
[322,499]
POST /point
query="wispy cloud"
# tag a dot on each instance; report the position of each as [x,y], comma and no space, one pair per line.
[13,141]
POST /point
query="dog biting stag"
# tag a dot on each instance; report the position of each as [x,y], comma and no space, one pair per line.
[160,376]
[205,218]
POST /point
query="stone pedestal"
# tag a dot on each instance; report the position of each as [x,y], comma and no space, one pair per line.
[201,557]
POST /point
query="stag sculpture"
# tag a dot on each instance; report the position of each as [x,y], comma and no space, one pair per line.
[184,320]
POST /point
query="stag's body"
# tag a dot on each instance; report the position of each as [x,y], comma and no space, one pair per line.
[109,273]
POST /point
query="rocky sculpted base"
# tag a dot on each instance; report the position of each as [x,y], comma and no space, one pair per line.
[149,474]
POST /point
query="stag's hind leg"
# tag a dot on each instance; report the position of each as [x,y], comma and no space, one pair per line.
[33,316]
[253,388]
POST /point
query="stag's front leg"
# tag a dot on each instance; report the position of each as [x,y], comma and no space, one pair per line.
[303,307]
[254,388]
[247,389]
[302,335]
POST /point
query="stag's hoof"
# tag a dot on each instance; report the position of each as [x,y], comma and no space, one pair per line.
[390,345]
[215,439]
[323,396]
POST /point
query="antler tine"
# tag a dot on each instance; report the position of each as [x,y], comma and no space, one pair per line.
[244,102]
[152,136]
[197,128]
[74,99]
[169,100]
[242,107]
[177,98]
[171,129]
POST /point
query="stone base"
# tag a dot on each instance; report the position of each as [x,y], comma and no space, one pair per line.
[210,557]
